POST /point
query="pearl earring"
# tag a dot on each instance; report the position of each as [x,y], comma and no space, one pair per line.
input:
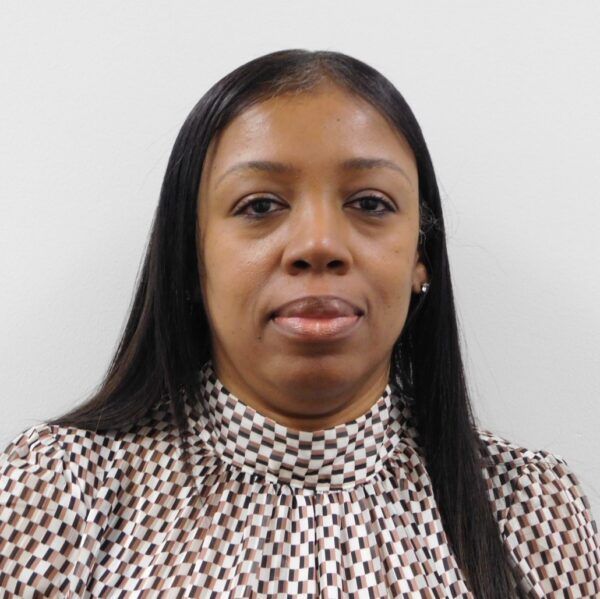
[424,288]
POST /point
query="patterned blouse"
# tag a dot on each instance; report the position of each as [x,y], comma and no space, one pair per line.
[268,511]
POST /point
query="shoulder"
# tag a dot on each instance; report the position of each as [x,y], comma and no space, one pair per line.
[82,457]
[515,472]
[55,464]
[36,457]
[43,513]
[520,475]
[58,486]
[544,516]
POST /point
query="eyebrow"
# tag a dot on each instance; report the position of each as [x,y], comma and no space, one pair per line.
[351,164]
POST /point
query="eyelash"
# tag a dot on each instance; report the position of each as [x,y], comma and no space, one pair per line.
[379,213]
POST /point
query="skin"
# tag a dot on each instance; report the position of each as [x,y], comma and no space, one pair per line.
[313,238]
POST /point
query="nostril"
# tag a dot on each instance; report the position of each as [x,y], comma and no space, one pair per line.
[301,264]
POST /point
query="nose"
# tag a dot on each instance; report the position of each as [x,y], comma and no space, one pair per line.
[317,238]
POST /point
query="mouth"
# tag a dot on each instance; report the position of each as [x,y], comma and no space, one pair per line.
[317,318]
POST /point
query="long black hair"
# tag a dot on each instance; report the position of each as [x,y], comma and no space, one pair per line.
[166,337]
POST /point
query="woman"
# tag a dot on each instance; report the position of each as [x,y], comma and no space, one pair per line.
[287,414]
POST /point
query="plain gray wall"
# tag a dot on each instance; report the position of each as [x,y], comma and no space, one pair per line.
[507,94]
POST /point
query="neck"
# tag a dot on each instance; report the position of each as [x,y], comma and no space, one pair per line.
[310,403]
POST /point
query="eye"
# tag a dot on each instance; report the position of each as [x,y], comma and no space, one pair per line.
[371,201]
[258,208]
[259,205]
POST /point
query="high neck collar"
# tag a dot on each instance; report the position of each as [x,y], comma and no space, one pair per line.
[338,457]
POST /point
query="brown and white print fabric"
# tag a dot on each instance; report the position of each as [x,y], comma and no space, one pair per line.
[267,511]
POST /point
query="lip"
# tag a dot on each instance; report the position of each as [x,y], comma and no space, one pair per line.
[317,329]
[318,306]
[317,318]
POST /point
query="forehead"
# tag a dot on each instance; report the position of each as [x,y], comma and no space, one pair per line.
[315,129]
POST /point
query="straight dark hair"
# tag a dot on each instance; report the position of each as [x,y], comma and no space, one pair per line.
[166,337]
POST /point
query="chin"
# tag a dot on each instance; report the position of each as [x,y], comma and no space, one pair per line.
[315,371]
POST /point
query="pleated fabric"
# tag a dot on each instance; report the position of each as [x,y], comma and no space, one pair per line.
[267,511]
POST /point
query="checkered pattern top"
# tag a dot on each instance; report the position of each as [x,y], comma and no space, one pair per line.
[267,511]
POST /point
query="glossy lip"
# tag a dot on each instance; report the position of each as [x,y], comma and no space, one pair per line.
[317,306]
[317,318]
[317,329]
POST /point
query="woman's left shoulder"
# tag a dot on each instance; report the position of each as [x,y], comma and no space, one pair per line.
[544,516]
[512,469]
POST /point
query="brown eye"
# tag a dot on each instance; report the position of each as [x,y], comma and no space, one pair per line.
[369,203]
[259,206]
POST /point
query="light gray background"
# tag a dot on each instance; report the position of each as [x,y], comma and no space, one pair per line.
[507,94]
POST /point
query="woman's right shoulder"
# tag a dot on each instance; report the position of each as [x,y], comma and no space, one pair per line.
[58,488]
[43,516]
[35,453]
[46,460]
[82,457]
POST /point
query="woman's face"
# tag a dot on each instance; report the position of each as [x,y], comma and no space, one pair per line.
[329,207]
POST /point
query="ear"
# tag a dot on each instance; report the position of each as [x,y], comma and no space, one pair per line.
[420,275]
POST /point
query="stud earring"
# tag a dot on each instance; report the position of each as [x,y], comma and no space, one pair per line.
[424,288]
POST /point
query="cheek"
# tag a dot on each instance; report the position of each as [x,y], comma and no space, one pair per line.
[232,280]
[391,280]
